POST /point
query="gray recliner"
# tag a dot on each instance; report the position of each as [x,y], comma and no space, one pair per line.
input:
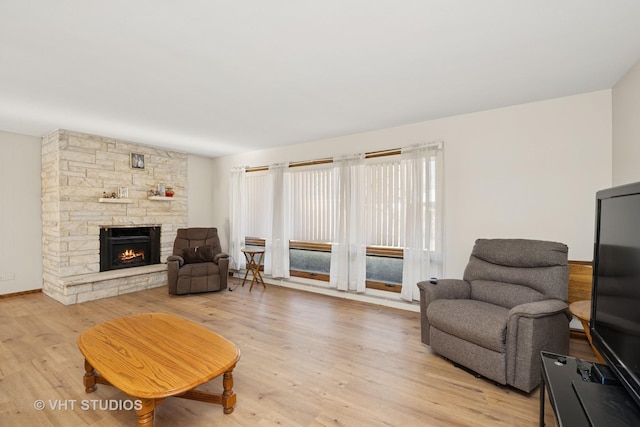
[510,305]
[198,263]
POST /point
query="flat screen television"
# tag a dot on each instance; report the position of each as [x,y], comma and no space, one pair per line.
[615,303]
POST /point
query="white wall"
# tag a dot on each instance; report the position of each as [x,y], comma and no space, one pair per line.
[527,171]
[20,214]
[626,127]
[201,199]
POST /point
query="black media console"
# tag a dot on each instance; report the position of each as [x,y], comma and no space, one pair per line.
[578,400]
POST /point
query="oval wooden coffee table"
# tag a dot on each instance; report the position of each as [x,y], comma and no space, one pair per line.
[154,356]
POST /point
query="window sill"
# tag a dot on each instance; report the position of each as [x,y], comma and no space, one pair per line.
[372,296]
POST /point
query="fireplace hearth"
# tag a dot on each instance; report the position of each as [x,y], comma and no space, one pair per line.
[126,247]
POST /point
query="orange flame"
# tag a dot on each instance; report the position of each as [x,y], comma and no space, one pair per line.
[130,255]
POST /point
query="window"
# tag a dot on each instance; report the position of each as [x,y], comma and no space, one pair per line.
[312,204]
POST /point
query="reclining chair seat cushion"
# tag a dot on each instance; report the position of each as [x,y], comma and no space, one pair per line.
[475,321]
[199,269]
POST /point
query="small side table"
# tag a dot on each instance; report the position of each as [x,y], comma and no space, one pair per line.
[582,310]
[253,266]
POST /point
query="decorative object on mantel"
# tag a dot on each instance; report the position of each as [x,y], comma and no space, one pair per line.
[123,192]
[162,192]
[122,196]
[137,161]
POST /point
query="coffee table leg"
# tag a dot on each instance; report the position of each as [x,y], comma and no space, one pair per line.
[228,396]
[89,378]
[145,413]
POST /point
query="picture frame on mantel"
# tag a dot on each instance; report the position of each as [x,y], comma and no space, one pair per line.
[137,161]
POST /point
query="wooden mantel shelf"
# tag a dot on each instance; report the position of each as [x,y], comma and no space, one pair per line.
[127,201]
[113,200]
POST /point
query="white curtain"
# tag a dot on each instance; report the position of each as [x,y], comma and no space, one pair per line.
[421,174]
[276,256]
[349,248]
[237,217]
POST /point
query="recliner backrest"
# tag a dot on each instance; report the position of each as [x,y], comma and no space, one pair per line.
[509,272]
[196,236]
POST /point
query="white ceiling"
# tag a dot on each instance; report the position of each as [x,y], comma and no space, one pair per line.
[215,77]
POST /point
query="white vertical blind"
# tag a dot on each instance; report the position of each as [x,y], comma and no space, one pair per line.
[384,207]
[312,204]
[313,201]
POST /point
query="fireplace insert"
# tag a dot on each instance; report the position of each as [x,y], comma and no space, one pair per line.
[125,247]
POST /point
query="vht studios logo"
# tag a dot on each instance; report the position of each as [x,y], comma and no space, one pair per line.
[88,405]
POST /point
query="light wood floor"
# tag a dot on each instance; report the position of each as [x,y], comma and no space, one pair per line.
[307,360]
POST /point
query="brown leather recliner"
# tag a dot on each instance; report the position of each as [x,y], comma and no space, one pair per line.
[198,263]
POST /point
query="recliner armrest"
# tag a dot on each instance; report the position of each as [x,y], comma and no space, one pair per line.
[531,328]
[217,257]
[540,309]
[446,289]
[176,258]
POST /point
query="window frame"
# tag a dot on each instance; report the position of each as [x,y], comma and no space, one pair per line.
[326,247]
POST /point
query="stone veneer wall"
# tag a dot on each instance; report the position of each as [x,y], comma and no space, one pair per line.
[76,169]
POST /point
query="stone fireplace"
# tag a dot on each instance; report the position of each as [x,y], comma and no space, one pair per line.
[77,169]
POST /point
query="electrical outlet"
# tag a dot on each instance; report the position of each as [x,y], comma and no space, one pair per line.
[7,276]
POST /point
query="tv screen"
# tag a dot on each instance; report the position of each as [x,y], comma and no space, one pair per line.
[615,311]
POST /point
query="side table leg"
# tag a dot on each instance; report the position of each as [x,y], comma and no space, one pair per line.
[260,279]
[253,280]
[89,378]
[246,273]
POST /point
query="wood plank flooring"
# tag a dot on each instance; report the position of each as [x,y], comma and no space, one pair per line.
[307,360]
